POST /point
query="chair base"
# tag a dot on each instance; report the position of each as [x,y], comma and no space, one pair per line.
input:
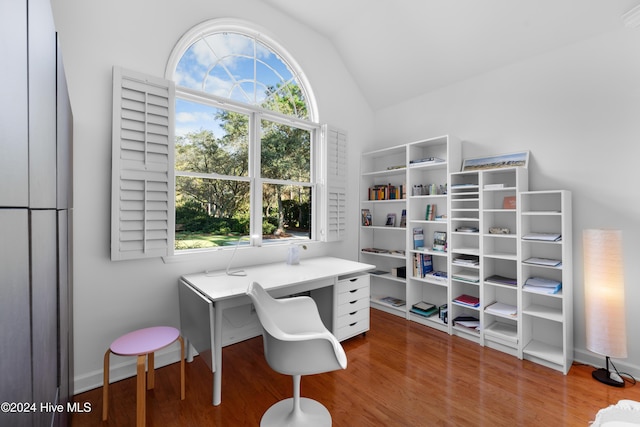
[313,414]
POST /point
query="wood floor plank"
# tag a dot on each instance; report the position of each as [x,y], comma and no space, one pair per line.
[399,374]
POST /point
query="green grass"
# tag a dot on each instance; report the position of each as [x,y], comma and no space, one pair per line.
[188,240]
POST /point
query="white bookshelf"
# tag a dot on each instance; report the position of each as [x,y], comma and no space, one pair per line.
[547,319]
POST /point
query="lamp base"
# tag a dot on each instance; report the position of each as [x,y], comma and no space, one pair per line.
[603,376]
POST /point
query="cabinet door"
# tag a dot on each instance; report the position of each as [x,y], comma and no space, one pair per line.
[42,105]
[14,175]
[15,334]
[44,308]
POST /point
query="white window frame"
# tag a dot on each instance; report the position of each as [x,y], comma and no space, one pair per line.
[145,233]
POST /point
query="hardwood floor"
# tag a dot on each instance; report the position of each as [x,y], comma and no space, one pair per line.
[400,374]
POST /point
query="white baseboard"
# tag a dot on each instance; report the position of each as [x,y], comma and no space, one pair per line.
[597,361]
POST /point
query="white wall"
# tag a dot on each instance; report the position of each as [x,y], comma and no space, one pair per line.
[111,298]
[578,112]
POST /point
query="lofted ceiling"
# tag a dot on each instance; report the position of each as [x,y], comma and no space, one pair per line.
[398,49]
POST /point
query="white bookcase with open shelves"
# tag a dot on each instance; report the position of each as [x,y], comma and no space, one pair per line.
[546,246]
[478,231]
[382,243]
[430,163]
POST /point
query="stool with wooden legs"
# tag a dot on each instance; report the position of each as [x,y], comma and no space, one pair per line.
[142,343]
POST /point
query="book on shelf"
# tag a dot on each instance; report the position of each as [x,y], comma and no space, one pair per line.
[547,262]
[502,309]
[395,302]
[509,202]
[502,280]
[440,241]
[400,272]
[425,161]
[418,238]
[468,260]
[493,186]
[366,217]
[430,214]
[467,229]
[543,237]
[422,265]
[542,285]
[468,300]
[469,322]
[424,308]
[386,192]
[403,218]
[383,251]
[438,276]
[467,276]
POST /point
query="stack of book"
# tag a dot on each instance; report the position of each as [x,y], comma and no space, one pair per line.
[468,322]
[501,280]
[547,262]
[542,286]
[468,260]
[502,309]
[467,300]
[425,309]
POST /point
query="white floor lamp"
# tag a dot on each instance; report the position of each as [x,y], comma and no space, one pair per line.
[604,299]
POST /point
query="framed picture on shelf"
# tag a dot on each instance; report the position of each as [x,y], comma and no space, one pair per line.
[366,217]
[391,220]
[520,159]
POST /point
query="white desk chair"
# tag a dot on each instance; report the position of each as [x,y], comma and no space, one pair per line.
[296,343]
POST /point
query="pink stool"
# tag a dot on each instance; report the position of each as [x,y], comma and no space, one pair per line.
[142,343]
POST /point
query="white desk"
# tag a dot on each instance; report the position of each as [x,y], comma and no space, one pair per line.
[204,296]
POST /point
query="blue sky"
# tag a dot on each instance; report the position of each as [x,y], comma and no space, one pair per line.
[228,65]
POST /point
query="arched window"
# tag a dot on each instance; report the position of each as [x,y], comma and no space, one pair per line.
[247,141]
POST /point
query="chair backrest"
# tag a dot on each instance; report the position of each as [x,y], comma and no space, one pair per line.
[296,341]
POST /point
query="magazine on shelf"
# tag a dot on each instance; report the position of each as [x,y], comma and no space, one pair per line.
[440,241]
[418,239]
[543,237]
[502,309]
[395,302]
[468,300]
[366,217]
[547,262]
[502,280]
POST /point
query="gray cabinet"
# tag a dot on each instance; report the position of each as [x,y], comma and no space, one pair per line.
[35,217]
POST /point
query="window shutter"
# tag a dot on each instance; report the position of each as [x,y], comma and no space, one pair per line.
[335,225]
[142,210]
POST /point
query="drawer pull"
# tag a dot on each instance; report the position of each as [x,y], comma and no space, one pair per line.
[353,302]
[353,324]
[353,290]
[353,280]
[352,313]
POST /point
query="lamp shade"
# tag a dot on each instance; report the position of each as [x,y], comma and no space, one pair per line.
[604,293]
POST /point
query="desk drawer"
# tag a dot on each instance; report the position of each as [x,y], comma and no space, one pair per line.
[347,285]
[357,325]
[353,316]
[352,306]
[353,294]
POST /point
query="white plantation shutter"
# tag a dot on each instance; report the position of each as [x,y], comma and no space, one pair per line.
[142,211]
[335,226]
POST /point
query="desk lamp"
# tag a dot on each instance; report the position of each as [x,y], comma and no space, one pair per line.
[604,300]
[237,272]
